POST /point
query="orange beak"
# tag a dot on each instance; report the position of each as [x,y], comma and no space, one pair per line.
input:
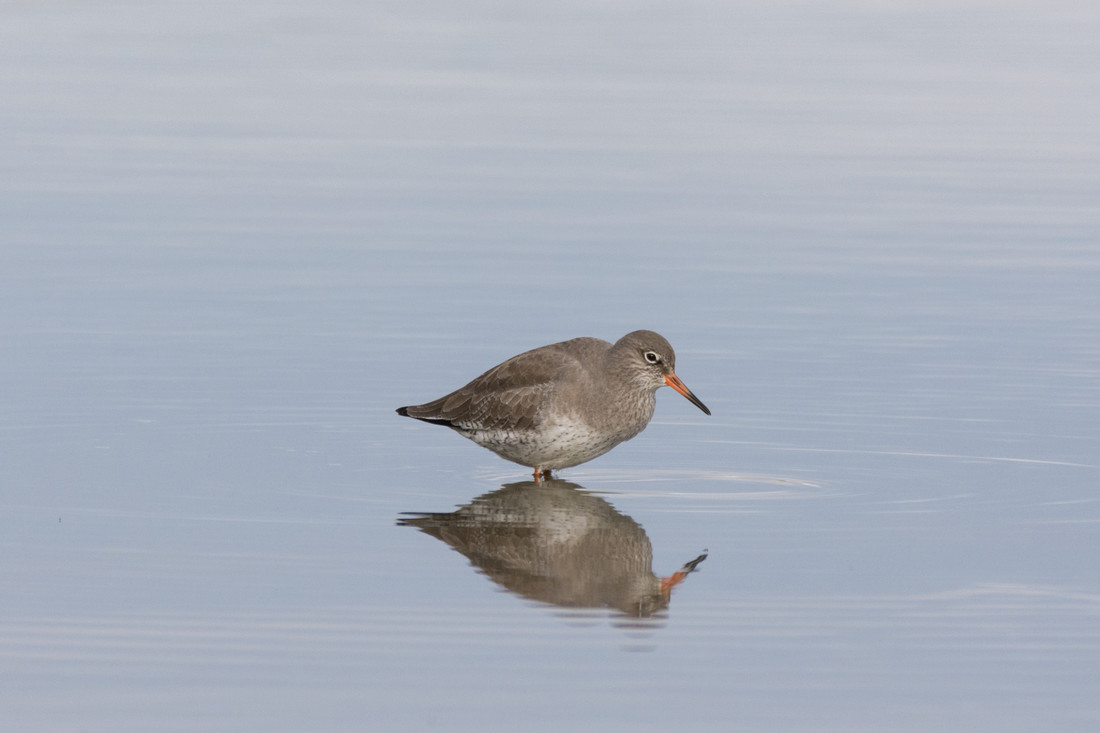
[673,381]
[667,584]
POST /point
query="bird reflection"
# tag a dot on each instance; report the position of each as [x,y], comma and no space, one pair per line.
[555,543]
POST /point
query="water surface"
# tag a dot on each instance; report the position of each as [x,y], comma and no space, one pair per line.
[235,240]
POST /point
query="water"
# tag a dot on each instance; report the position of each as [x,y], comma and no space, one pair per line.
[235,240]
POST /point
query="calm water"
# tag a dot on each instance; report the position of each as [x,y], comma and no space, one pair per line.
[235,239]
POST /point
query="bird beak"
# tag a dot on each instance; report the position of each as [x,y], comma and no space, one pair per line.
[673,381]
[667,584]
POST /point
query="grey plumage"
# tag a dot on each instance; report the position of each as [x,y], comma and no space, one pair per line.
[562,404]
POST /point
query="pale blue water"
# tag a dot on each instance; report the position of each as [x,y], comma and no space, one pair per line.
[235,239]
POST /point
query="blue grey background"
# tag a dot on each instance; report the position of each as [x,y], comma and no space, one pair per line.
[235,237]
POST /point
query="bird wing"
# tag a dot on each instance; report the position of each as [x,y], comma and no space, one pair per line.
[508,396]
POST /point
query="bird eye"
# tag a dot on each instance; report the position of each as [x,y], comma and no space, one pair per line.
[653,357]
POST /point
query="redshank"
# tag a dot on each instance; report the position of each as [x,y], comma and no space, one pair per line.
[564,404]
[562,545]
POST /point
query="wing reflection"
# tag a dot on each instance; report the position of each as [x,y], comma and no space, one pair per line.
[555,543]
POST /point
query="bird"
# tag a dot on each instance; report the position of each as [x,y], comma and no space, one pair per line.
[563,404]
[561,545]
